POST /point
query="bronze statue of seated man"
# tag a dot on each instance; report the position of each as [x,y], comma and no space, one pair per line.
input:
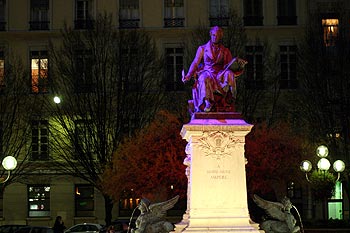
[212,68]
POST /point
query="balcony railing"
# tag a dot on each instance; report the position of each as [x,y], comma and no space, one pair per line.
[174,22]
[253,20]
[39,25]
[287,20]
[289,84]
[129,23]
[254,84]
[84,24]
[2,26]
[219,21]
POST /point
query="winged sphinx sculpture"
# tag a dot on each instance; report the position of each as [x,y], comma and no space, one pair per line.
[282,220]
[152,217]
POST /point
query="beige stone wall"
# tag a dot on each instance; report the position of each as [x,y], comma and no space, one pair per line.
[19,38]
[61,203]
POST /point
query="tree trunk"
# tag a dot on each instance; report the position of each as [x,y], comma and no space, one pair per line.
[108,209]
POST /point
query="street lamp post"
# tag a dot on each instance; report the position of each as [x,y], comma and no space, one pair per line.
[323,165]
[9,163]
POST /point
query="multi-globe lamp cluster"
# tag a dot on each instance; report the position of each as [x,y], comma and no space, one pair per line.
[323,163]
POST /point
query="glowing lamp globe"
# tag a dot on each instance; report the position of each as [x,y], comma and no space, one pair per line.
[306,166]
[323,164]
[57,99]
[9,163]
[339,166]
[322,151]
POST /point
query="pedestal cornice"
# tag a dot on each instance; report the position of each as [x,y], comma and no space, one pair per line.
[227,122]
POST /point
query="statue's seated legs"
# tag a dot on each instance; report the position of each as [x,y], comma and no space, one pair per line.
[222,102]
[211,95]
[208,106]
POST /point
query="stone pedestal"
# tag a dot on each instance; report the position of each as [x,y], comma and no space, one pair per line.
[217,194]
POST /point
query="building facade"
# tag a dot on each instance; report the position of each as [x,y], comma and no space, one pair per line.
[26,26]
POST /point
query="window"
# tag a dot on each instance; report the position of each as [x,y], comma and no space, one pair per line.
[83,14]
[39,71]
[286,12]
[2,71]
[254,71]
[127,203]
[39,15]
[335,204]
[2,202]
[129,124]
[84,81]
[2,15]
[40,140]
[219,13]
[131,77]
[174,66]
[39,200]
[288,67]
[129,16]
[2,140]
[83,131]
[84,201]
[253,13]
[174,13]
[330,31]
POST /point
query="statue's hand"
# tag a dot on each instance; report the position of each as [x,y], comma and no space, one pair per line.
[185,78]
[242,62]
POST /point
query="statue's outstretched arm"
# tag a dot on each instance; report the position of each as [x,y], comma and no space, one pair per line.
[194,65]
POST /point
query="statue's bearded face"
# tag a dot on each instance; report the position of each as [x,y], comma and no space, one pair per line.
[216,35]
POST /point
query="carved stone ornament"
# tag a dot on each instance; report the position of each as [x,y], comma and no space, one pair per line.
[218,145]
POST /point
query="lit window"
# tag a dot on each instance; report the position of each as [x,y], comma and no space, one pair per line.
[335,204]
[84,201]
[39,74]
[330,31]
[128,202]
[39,200]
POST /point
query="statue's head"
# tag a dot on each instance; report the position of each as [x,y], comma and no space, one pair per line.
[144,204]
[286,203]
[216,34]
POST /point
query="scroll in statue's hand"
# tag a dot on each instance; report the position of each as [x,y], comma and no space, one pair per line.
[185,78]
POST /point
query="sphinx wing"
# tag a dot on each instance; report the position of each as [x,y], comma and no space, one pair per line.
[273,209]
[158,210]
